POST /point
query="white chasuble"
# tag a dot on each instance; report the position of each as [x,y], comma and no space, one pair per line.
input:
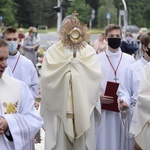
[9,101]
[17,107]
[70,92]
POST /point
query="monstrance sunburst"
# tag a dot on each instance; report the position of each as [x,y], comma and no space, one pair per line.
[74,35]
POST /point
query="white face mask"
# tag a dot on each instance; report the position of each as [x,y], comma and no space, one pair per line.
[129,39]
[12,46]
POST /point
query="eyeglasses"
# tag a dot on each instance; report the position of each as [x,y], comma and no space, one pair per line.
[11,39]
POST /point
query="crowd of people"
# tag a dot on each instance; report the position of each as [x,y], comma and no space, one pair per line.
[130,44]
[93,98]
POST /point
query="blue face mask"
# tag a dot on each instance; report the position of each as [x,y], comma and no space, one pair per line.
[35,34]
[12,46]
[129,39]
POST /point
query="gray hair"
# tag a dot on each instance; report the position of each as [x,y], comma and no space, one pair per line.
[68,18]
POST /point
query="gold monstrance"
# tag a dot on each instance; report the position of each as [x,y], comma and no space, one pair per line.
[74,35]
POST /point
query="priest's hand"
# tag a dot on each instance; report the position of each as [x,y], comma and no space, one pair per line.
[106,99]
[3,125]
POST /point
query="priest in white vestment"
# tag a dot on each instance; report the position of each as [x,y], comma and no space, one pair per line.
[19,120]
[70,93]
[110,133]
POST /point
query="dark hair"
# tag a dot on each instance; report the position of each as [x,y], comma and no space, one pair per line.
[129,34]
[111,27]
[3,43]
[145,39]
[9,29]
[102,33]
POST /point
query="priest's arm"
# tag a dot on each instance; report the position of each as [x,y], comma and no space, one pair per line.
[23,125]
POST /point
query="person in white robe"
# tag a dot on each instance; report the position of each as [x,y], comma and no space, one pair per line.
[140,124]
[21,67]
[70,93]
[128,89]
[19,120]
[110,133]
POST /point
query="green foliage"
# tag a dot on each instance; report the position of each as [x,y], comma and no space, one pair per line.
[25,13]
[138,11]
[93,3]
[83,10]
[8,10]
[107,6]
[36,12]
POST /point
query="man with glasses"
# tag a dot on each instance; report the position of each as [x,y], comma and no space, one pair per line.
[19,120]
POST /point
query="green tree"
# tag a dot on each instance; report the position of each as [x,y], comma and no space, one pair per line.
[24,13]
[138,11]
[147,18]
[107,6]
[95,4]
[8,10]
[36,12]
[83,10]
[43,13]
[27,13]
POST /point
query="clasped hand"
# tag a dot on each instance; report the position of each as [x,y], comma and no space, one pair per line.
[106,99]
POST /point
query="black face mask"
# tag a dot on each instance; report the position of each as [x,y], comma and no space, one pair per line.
[148,52]
[114,42]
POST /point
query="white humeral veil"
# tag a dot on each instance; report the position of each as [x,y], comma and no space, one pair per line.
[70,92]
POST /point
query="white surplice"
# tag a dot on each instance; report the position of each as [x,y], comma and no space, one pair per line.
[24,71]
[128,91]
[8,71]
[70,93]
[140,124]
[17,107]
[110,133]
